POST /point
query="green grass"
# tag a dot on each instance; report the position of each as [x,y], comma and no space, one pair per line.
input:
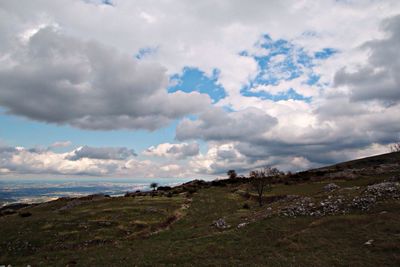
[113,227]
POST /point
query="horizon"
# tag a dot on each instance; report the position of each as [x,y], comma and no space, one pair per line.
[93,89]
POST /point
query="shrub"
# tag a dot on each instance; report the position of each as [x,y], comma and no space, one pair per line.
[192,190]
[164,188]
[25,214]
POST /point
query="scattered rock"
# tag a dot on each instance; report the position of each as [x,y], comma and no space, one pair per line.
[220,224]
[384,190]
[363,202]
[331,187]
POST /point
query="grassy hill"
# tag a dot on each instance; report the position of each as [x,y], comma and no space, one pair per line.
[303,223]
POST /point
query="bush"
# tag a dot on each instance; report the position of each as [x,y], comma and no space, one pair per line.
[164,188]
[25,214]
[191,190]
[218,183]
[246,195]
[246,206]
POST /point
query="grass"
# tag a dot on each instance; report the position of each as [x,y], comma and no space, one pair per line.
[177,231]
[102,233]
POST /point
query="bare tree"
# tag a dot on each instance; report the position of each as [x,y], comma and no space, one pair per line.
[232,174]
[262,179]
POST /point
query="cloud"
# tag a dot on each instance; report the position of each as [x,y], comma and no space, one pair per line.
[217,125]
[348,110]
[220,158]
[114,153]
[61,144]
[378,79]
[84,84]
[21,161]
[84,161]
[177,151]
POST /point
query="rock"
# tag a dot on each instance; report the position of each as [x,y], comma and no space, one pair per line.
[241,225]
[352,188]
[331,187]
[369,242]
[363,202]
[220,224]
[384,190]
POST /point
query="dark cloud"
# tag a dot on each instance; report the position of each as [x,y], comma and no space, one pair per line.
[219,125]
[58,79]
[184,150]
[112,153]
[379,78]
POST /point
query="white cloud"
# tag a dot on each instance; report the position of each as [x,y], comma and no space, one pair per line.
[61,144]
[74,73]
[176,151]
[84,161]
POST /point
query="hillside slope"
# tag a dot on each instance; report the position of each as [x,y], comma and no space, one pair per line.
[354,222]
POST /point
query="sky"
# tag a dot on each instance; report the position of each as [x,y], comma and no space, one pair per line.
[178,89]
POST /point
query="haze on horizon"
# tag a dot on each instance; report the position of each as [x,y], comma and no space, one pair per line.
[154,89]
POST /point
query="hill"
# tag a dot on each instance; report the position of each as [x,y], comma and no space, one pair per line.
[347,214]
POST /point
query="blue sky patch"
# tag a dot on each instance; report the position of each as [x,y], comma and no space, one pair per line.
[193,79]
[325,53]
[284,61]
[289,94]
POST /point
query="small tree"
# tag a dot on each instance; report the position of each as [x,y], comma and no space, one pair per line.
[262,179]
[232,174]
[154,186]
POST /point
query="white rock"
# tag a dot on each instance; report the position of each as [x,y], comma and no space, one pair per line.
[369,242]
[240,225]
